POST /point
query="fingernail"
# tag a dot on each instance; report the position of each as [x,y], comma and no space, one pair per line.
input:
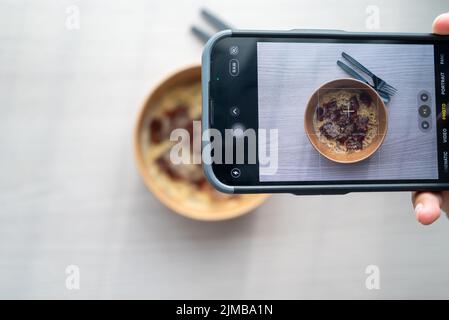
[418,208]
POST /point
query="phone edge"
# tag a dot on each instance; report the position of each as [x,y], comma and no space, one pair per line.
[205,77]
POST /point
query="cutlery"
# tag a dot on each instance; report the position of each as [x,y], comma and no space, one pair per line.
[211,19]
[200,34]
[384,95]
[378,82]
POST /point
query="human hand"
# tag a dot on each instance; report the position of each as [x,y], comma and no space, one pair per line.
[428,205]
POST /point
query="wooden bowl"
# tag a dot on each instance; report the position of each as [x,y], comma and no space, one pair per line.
[162,187]
[326,151]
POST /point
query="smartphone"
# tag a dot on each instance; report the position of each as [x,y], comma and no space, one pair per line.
[325,112]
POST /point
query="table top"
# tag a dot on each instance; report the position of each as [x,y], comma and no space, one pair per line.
[70,193]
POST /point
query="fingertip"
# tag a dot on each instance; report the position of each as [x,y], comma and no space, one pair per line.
[441,24]
[427,207]
[427,215]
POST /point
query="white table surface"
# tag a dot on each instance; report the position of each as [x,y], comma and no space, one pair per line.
[70,193]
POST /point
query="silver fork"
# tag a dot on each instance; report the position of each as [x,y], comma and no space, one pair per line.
[383,95]
[378,82]
[211,19]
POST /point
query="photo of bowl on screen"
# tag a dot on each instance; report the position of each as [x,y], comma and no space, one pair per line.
[175,104]
[346,120]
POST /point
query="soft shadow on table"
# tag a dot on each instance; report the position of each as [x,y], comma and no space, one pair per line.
[195,230]
[190,253]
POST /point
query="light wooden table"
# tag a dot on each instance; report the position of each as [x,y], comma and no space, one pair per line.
[70,193]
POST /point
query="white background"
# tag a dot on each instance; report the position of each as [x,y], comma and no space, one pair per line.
[70,192]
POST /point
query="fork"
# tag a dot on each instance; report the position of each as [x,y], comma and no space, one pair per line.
[383,94]
[217,23]
[378,82]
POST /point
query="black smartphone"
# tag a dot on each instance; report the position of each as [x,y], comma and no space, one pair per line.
[325,112]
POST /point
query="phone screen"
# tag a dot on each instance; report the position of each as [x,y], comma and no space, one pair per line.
[333,110]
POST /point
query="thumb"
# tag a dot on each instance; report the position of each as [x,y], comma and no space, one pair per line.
[441,24]
[427,206]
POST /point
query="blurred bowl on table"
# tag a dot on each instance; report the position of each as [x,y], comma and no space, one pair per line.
[176,103]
